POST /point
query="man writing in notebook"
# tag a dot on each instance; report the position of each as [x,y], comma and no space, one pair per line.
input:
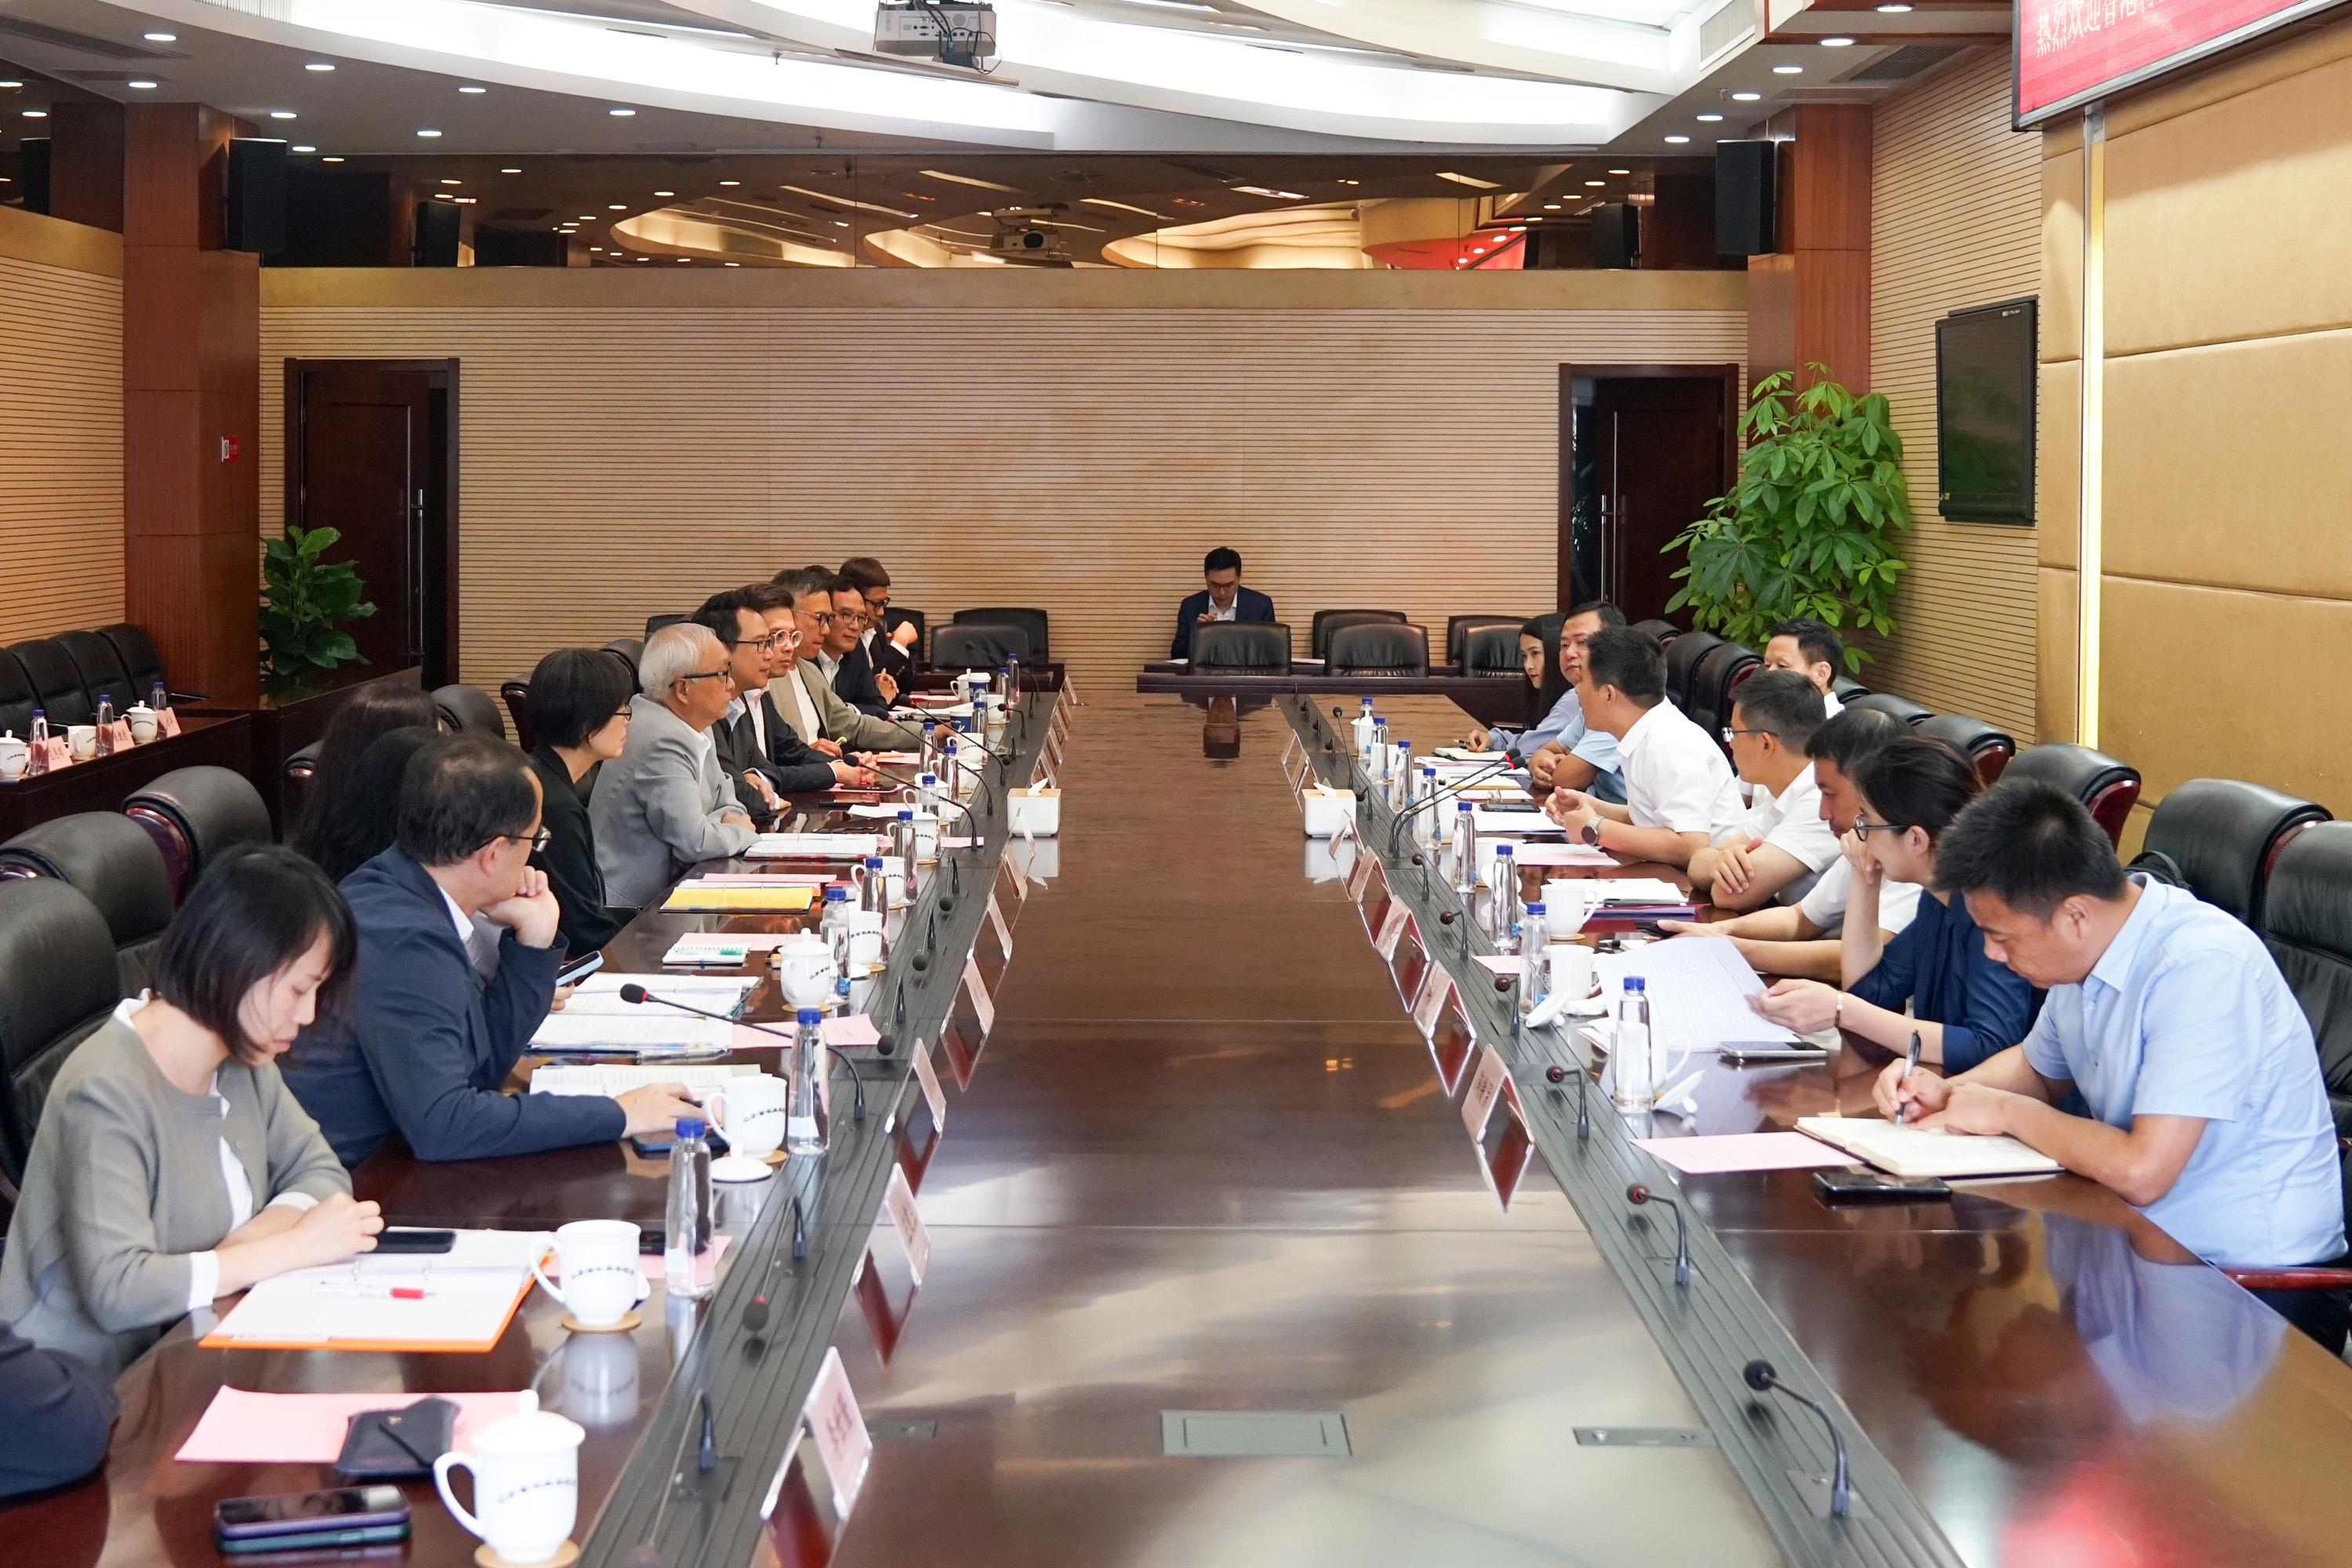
[2207,1109]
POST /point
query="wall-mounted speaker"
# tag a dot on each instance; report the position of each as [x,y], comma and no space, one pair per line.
[256,196]
[1745,209]
[1616,234]
[33,173]
[437,225]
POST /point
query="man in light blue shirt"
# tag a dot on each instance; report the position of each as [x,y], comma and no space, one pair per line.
[1561,751]
[2207,1109]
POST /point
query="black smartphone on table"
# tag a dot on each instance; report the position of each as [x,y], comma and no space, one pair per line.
[316,1546]
[1848,1186]
[576,970]
[277,1517]
[1771,1051]
[406,1241]
[657,1147]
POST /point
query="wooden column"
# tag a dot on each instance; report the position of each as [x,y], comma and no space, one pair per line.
[191,405]
[1810,302]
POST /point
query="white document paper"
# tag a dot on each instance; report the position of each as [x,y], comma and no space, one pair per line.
[1645,890]
[642,1028]
[1925,1151]
[815,845]
[1512,824]
[614,1081]
[600,994]
[468,1292]
[1567,854]
[1698,990]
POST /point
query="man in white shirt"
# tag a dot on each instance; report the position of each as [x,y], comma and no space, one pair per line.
[1801,940]
[1781,846]
[1813,650]
[1679,792]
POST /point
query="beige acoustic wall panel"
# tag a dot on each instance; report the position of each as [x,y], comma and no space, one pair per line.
[60,427]
[621,460]
[1956,221]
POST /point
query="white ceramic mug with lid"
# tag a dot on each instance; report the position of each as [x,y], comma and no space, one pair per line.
[15,757]
[805,969]
[526,1469]
[602,1277]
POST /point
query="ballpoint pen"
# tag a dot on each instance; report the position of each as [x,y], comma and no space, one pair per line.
[1910,1063]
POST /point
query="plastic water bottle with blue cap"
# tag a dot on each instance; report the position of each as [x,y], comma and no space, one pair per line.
[688,1216]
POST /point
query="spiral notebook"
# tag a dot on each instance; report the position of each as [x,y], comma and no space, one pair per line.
[1927,1151]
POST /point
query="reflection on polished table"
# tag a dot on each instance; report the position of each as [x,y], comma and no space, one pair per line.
[1203,1163]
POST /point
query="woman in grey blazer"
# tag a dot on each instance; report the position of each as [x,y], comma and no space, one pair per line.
[172,1165]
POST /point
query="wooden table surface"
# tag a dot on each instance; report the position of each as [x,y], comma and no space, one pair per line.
[1206,1165]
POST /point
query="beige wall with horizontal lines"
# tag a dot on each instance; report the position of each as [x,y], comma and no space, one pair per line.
[1955,208]
[1070,440]
[60,425]
[2226,583]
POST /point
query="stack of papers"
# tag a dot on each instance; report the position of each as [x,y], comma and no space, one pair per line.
[1698,992]
[1926,1151]
[696,894]
[1569,854]
[642,1029]
[600,993]
[721,950]
[613,1081]
[457,1301]
[1514,824]
[815,846]
[1639,891]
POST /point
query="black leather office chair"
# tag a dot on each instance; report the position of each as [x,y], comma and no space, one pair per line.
[59,981]
[57,689]
[2225,835]
[1983,745]
[468,709]
[301,769]
[1682,656]
[515,694]
[1846,688]
[2306,923]
[1491,652]
[656,622]
[1664,631]
[978,645]
[16,697]
[1712,681]
[1242,648]
[102,670]
[1326,622]
[1379,647]
[1459,628]
[194,814]
[137,651]
[116,865]
[1894,707]
[1030,621]
[629,650]
[2107,788]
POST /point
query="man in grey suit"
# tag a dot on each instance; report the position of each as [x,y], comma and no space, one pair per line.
[665,803]
[806,698]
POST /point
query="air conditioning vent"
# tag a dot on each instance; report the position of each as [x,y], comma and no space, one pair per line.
[1729,25]
[1900,66]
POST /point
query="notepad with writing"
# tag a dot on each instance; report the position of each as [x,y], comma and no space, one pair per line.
[634,1030]
[1926,1151]
[698,895]
[813,847]
[618,1080]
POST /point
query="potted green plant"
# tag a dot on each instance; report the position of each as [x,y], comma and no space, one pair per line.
[1808,527]
[305,601]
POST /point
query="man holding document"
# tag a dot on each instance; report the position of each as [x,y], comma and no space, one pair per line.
[2207,1109]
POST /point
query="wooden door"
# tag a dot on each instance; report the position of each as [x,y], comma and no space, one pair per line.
[370,450]
[1656,446]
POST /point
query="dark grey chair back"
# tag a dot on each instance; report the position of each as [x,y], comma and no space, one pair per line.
[2308,925]
[1894,707]
[469,710]
[137,651]
[2107,788]
[977,645]
[195,815]
[1459,628]
[1244,647]
[1032,622]
[116,865]
[57,689]
[1683,656]
[102,670]
[1379,647]
[59,981]
[1987,748]
[16,697]
[2226,834]
[1491,651]
[1326,622]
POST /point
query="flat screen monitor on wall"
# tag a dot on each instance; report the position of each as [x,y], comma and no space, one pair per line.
[1984,414]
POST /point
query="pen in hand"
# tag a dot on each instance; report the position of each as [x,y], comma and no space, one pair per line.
[1910,1065]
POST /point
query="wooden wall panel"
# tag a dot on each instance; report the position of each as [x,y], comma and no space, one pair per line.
[630,454]
[1956,216]
[60,427]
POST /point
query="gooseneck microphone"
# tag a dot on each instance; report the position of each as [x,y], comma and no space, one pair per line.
[638,995]
[1637,1194]
[1761,1377]
[1556,1074]
[1396,828]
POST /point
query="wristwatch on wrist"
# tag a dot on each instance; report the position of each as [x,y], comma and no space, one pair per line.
[1591,834]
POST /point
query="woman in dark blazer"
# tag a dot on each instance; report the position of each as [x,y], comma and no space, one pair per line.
[580,713]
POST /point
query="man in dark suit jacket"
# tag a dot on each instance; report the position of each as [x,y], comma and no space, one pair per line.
[886,653]
[1224,599]
[55,1413]
[845,660]
[428,1043]
[754,743]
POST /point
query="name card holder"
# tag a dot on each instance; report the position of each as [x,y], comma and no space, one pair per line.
[117,736]
[1003,931]
[1491,1082]
[1289,749]
[1070,691]
[905,1222]
[1505,1163]
[56,751]
[831,1418]
[1451,1045]
[1394,922]
[964,1055]
[1375,894]
[1010,866]
[977,989]
[1430,999]
[1359,875]
[167,722]
[934,1095]
[1411,965]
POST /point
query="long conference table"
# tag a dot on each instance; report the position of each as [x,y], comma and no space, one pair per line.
[1219,1273]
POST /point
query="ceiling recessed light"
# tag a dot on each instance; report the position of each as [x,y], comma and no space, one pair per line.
[141,85]
[331,160]
[160,37]
[1351,182]
[318,66]
[730,182]
[303,147]
[1596,182]
[1518,228]
[1620,171]
[11,83]
[731,264]
[1894,9]
[472,91]
[1677,141]
[1837,43]
[616,207]
[1174,5]
[1788,70]
[467,201]
[37,114]
[1551,206]
[595,250]
[1746,97]
[281,114]
[453,182]
[664,193]
[428,135]
[1121,206]
[587,217]
[644,258]
[682,258]
[621,114]
[443,197]
[1710,118]
[510,171]
[1269,193]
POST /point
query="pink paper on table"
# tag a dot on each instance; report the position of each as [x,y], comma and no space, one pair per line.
[948,842]
[1501,963]
[1744,1151]
[764,880]
[899,758]
[242,1427]
[1564,854]
[843,1031]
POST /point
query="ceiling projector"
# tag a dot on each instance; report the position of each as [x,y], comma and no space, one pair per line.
[952,35]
